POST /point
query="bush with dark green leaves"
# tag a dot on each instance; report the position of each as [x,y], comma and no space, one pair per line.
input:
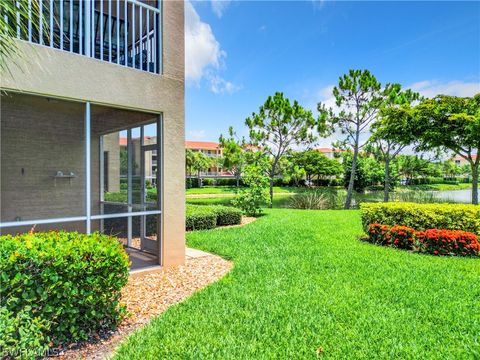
[68,283]
[202,217]
[227,215]
[423,216]
[22,335]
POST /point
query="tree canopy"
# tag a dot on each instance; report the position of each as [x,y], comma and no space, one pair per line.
[451,123]
[278,126]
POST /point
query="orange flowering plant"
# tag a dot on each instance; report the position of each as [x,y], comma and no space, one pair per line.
[431,241]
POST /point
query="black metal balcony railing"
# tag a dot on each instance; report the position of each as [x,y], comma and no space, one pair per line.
[124,32]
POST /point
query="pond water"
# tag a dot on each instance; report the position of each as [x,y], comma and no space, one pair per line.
[336,198]
[456,196]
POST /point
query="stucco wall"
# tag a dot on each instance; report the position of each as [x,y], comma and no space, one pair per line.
[54,73]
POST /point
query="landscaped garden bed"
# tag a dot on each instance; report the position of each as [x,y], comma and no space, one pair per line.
[148,294]
[437,229]
[67,294]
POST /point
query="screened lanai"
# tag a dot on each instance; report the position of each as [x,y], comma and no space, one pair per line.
[81,167]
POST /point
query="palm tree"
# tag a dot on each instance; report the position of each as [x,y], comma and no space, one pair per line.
[14,16]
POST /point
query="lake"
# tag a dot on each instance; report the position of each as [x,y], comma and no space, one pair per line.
[457,196]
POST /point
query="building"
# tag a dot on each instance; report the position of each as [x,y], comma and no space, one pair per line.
[210,149]
[329,152]
[89,73]
[148,158]
[460,161]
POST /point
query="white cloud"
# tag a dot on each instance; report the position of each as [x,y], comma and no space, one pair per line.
[202,50]
[325,96]
[197,134]
[219,85]
[219,6]
[204,56]
[430,88]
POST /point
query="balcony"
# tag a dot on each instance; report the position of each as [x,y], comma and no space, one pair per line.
[124,32]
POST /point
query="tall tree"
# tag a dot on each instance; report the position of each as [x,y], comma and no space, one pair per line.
[279,126]
[233,150]
[316,165]
[189,159]
[393,129]
[452,123]
[200,163]
[412,166]
[358,97]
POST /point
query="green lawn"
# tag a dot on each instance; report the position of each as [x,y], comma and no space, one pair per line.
[233,190]
[302,281]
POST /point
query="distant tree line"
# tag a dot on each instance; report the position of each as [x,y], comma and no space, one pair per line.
[375,123]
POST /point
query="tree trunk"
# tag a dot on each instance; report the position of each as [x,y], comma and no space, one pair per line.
[237,176]
[348,201]
[386,189]
[271,192]
[475,183]
[272,175]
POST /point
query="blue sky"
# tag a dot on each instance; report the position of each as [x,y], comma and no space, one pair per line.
[239,52]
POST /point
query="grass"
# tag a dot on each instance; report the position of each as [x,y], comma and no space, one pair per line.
[233,190]
[303,284]
[278,201]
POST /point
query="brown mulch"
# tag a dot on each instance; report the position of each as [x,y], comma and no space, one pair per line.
[148,294]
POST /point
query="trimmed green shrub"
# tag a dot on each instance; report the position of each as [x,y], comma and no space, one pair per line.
[21,335]
[69,279]
[200,218]
[423,216]
[227,215]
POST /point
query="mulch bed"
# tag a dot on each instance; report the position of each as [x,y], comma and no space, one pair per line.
[147,295]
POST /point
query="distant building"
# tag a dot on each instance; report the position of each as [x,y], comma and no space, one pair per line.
[210,149]
[329,152]
[460,161]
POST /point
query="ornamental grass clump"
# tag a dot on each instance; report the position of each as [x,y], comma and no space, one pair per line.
[311,200]
[66,285]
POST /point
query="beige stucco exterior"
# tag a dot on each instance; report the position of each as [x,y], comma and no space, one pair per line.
[61,75]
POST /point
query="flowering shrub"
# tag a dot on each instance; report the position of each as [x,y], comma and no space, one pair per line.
[448,242]
[423,216]
[401,237]
[432,241]
[377,233]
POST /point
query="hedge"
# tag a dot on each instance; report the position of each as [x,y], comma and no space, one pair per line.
[423,216]
[227,215]
[200,217]
[431,241]
[68,284]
